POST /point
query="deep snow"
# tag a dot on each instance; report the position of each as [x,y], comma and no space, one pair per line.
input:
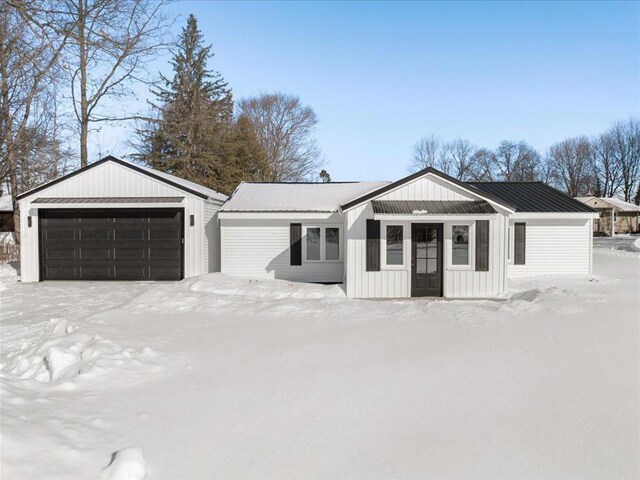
[215,377]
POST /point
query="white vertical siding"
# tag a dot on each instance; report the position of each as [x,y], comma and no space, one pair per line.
[211,249]
[259,248]
[112,180]
[554,246]
[395,282]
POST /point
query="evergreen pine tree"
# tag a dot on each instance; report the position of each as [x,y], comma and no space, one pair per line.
[190,135]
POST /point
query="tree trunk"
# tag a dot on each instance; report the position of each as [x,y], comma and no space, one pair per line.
[84,108]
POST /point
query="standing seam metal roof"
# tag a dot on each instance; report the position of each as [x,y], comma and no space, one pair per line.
[533,197]
[432,207]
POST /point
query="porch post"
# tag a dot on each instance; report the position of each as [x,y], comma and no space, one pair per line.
[613,225]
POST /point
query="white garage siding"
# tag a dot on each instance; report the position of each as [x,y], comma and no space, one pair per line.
[211,250]
[553,246]
[112,179]
[259,248]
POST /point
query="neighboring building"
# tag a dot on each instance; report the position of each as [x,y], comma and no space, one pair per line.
[6,213]
[624,216]
[114,220]
[426,234]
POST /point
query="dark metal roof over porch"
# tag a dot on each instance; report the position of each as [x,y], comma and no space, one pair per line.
[432,207]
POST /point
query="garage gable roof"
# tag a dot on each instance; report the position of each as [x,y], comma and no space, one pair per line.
[426,171]
[180,183]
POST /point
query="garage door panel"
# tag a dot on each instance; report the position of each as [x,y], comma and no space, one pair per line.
[131,253]
[129,235]
[61,234]
[61,272]
[60,253]
[163,273]
[104,253]
[141,244]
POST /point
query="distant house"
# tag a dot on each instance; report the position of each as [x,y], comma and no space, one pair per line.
[6,213]
[624,216]
[426,234]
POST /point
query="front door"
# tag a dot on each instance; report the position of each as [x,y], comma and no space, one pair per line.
[426,260]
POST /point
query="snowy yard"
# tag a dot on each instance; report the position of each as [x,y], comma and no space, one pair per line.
[219,378]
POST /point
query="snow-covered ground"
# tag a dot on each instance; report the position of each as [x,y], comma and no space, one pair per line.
[215,377]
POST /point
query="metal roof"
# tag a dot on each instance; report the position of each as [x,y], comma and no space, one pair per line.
[432,207]
[108,200]
[429,170]
[532,196]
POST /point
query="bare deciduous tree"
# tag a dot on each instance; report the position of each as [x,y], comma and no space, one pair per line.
[570,159]
[457,159]
[110,42]
[625,137]
[516,161]
[607,170]
[285,128]
[29,55]
[426,153]
[483,165]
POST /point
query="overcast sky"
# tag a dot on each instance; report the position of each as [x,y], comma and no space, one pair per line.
[381,75]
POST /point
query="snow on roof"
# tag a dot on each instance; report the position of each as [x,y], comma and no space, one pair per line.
[621,204]
[295,197]
[614,202]
[185,183]
[5,203]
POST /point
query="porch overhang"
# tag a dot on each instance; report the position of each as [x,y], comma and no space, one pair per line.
[432,207]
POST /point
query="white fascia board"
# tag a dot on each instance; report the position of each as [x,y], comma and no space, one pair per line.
[553,215]
[277,215]
[431,218]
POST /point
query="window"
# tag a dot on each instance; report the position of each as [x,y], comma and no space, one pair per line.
[395,254]
[313,244]
[322,244]
[460,245]
[332,243]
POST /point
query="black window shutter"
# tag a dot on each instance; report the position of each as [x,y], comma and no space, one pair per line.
[519,243]
[482,245]
[373,245]
[295,240]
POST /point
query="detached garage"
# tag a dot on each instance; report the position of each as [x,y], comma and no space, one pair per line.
[114,220]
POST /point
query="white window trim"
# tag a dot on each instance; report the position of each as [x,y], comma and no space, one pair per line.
[472,244]
[323,239]
[406,245]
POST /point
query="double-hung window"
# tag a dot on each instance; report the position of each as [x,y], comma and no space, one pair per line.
[395,252]
[460,245]
[322,244]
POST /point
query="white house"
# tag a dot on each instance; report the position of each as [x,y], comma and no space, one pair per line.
[424,235]
[114,220]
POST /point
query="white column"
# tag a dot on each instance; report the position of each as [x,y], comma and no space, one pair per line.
[613,223]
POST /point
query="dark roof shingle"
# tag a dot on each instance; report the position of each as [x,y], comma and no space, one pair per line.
[532,196]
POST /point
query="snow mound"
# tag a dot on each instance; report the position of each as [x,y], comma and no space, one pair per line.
[127,464]
[221,284]
[61,353]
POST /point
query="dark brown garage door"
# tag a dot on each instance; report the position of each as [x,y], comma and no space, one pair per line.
[114,244]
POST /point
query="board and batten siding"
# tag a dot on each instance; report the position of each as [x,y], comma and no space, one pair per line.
[211,250]
[260,248]
[553,247]
[111,180]
[395,281]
